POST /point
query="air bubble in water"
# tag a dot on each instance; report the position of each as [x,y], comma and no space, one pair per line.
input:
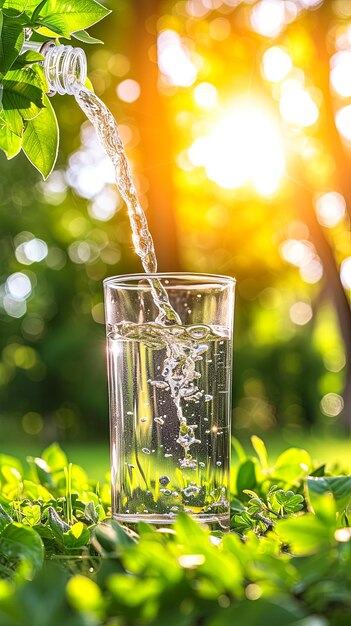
[198,332]
[159,420]
[143,419]
[188,492]
[159,384]
[164,480]
[208,397]
[219,463]
[146,450]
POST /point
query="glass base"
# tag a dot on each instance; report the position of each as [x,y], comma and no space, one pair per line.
[215,522]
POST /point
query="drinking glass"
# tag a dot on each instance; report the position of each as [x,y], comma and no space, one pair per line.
[170,398]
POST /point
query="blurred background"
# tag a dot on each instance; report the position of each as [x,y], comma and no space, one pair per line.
[236,116]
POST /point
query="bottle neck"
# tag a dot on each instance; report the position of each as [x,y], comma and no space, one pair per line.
[63,65]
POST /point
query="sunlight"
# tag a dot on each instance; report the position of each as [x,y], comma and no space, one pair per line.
[276,64]
[245,147]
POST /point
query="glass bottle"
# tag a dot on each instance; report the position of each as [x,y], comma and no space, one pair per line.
[63,65]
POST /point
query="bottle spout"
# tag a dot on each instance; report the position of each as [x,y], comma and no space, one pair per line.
[64,66]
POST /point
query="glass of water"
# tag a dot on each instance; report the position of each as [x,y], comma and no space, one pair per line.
[170,397]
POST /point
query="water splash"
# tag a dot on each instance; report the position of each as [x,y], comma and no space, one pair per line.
[107,131]
[183,346]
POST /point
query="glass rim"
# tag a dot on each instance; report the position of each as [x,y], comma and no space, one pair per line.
[131,281]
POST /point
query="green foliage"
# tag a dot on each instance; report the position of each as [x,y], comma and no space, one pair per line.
[27,118]
[286,558]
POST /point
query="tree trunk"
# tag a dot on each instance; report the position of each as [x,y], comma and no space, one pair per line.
[334,288]
[155,140]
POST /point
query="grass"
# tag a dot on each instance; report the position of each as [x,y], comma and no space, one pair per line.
[324,447]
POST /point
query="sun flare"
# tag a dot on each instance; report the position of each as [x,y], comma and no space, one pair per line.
[245,147]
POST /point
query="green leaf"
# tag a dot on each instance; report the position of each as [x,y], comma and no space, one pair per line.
[4,518]
[55,457]
[88,84]
[305,534]
[57,525]
[56,26]
[11,42]
[32,514]
[77,536]
[19,541]
[36,492]
[246,478]
[37,10]
[72,17]
[240,452]
[292,465]
[111,537]
[22,97]
[21,5]
[338,486]
[261,451]
[28,58]
[41,139]
[252,613]
[84,595]
[9,142]
[82,35]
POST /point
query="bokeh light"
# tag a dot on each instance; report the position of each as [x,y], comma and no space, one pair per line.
[345,273]
[244,147]
[297,105]
[332,404]
[18,286]
[343,122]
[268,17]
[128,90]
[174,60]
[340,73]
[300,313]
[205,95]
[330,208]
[276,64]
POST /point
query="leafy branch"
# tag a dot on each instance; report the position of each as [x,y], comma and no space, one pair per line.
[27,118]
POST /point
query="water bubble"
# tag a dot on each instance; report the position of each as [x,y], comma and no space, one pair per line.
[201,348]
[131,466]
[164,480]
[130,413]
[219,463]
[159,384]
[201,464]
[159,420]
[187,463]
[190,491]
[208,397]
[143,419]
[168,455]
[175,494]
[166,492]
[198,332]
[146,450]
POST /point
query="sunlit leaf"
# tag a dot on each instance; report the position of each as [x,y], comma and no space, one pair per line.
[18,541]
[40,140]
[11,42]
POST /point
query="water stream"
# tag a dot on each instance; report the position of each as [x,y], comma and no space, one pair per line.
[182,349]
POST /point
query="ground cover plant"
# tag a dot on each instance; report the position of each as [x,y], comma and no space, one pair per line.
[287,558]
